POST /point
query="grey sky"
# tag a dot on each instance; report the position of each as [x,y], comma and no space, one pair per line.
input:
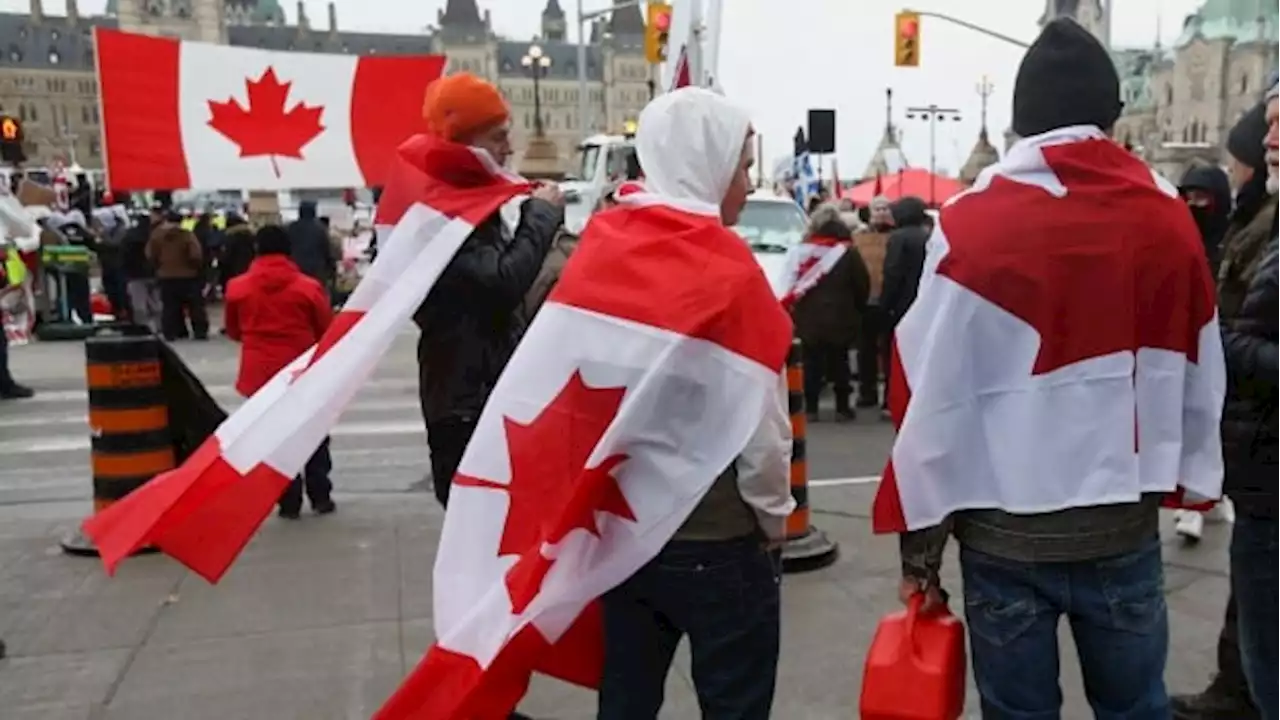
[779,58]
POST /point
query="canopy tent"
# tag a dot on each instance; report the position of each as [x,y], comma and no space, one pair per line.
[910,181]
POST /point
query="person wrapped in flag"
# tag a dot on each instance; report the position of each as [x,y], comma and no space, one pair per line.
[1059,376]
[472,320]
[639,428]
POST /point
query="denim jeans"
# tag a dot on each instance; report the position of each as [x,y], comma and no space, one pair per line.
[1117,613]
[1253,580]
[725,597]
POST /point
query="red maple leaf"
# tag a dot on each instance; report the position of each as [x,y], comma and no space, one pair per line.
[265,128]
[1113,265]
[552,492]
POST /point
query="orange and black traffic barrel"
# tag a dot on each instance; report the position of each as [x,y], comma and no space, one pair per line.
[806,547]
[128,415]
[128,421]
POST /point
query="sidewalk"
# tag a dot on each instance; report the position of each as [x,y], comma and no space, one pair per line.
[320,620]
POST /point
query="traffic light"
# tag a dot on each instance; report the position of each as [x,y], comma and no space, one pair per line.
[11,140]
[656,31]
[906,39]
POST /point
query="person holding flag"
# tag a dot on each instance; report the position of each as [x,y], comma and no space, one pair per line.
[1059,375]
[636,447]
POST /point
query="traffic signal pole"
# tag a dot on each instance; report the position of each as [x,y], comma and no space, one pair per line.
[971,26]
[583,18]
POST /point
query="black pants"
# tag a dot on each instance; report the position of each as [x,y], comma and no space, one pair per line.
[873,352]
[825,363]
[179,299]
[78,301]
[314,478]
[725,595]
[448,440]
[6,380]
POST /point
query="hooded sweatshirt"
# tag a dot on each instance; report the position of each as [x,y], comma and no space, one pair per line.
[689,143]
[1212,220]
[276,313]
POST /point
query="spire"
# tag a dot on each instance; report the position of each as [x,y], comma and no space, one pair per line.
[460,12]
[888,113]
[553,22]
[626,20]
[983,153]
[984,90]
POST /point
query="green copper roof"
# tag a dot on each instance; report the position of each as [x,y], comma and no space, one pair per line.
[1241,21]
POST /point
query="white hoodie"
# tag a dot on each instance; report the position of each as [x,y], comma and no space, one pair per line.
[689,143]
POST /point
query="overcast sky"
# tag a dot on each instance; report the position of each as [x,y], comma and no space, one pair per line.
[779,58]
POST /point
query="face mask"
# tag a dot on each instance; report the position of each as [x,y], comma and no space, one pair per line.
[1203,216]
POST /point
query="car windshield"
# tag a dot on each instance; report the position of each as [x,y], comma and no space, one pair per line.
[770,225]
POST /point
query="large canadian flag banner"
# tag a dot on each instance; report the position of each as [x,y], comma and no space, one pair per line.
[180,115]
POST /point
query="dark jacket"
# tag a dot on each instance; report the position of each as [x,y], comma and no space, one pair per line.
[237,250]
[1247,308]
[311,249]
[133,251]
[904,257]
[830,312]
[1211,220]
[175,253]
[470,321]
[275,313]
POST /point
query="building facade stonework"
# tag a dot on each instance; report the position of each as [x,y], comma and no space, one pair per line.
[47,76]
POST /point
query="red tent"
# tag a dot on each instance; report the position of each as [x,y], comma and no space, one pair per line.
[911,181]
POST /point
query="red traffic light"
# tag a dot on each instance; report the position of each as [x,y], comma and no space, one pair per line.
[662,21]
[910,27]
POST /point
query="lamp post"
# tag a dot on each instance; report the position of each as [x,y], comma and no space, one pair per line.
[583,18]
[536,62]
[932,114]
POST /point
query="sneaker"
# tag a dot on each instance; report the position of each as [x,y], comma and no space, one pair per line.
[846,415]
[325,508]
[1189,524]
[290,514]
[16,392]
[1212,705]
[1223,512]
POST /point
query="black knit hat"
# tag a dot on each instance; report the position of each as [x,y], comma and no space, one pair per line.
[1245,141]
[1066,78]
[272,240]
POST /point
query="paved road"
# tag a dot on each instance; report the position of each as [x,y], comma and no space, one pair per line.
[320,619]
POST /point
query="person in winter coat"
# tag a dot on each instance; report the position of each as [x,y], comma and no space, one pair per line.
[276,313]
[312,250]
[873,337]
[827,317]
[237,249]
[140,274]
[1207,192]
[470,321]
[179,264]
[1248,433]
[904,257]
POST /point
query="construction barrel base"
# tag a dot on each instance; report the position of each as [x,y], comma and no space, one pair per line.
[77,543]
[811,551]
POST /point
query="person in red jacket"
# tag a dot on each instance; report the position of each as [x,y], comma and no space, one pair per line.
[276,313]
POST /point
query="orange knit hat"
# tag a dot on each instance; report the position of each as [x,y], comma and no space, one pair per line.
[457,105]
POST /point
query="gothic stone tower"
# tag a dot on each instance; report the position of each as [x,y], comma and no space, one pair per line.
[187,19]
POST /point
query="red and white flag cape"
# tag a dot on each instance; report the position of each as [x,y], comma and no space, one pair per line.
[1063,350]
[640,380]
[808,263]
[180,114]
[204,512]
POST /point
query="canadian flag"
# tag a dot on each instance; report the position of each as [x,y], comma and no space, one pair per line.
[205,511]
[642,377]
[180,114]
[808,263]
[1063,350]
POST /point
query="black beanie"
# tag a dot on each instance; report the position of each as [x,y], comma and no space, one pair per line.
[1245,141]
[1066,78]
[272,240]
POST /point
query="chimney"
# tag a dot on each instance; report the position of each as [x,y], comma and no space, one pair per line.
[333,18]
[37,11]
[303,24]
[73,12]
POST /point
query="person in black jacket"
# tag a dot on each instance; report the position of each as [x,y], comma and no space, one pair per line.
[1248,453]
[1248,308]
[828,317]
[903,264]
[1207,192]
[469,321]
[310,242]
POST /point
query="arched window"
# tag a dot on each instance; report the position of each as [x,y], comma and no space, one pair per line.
[1168,94]
[1244,83]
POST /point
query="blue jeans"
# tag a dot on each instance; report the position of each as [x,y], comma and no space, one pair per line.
[1253,580]
[725,597]
[1118,618]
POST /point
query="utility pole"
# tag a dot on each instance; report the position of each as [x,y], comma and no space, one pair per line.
[933,114]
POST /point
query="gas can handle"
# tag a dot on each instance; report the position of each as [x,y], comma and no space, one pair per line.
[915,604]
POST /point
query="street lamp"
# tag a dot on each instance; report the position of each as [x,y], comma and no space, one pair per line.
[933,114]
[536,62]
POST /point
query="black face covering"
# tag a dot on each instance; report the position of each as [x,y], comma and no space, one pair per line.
[1206,219]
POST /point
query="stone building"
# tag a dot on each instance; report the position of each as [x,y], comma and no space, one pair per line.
[47,77]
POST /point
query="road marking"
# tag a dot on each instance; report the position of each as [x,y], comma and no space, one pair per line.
[67,443]
[837,482]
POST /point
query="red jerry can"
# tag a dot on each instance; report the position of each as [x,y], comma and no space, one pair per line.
[915,667]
